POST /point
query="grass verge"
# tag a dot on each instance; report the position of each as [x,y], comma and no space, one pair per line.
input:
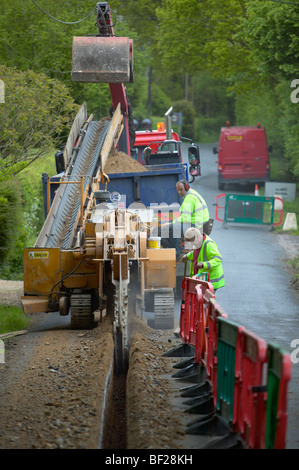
[294,266]
[12,318]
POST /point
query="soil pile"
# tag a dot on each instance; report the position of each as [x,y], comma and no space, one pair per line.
[120,162]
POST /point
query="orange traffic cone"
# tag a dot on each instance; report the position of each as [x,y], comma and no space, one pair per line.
[256,191]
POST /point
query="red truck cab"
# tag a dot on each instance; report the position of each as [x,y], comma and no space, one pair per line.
[243,155]
[159,147]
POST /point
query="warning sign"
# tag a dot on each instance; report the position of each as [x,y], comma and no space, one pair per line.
[38,254]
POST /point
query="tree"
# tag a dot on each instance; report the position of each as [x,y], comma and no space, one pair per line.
[202,35]
[253,45]
[271,32]
[36,112]
[31,39]
[42,40]
[186,108]
[10,216]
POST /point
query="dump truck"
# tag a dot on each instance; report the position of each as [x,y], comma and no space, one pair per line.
[95,253]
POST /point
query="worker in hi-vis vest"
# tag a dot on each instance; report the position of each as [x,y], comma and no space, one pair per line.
[204,257]
[193,213]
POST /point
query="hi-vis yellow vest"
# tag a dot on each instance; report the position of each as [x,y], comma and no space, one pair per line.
[193,210]
[212,260]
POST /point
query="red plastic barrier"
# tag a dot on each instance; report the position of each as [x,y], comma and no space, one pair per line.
[253,405]
[279,211]
[199,325]
[187,321]
[200,320]
[183,310]
[219,196]
[249,412]
[192,322]
[214,312]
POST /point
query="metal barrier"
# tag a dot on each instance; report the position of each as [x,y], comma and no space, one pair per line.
[246,208]
[279,375]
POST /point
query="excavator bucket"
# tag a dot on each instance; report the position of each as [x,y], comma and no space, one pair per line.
[98,59]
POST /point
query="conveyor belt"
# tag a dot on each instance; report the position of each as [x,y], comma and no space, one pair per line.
[60,226]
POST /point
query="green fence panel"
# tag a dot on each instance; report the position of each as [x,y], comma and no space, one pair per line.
[226,356]
[279,374]
[250,209]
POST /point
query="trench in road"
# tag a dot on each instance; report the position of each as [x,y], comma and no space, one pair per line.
[114,426]
[113,434]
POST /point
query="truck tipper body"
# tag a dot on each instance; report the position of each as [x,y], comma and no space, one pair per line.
[156,185]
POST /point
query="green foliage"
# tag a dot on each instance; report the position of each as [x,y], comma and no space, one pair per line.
[288,120]
[212,105]
[278,169]
[207,129]
[35,113]
[141,17]
[10,216]
[188,111]
[33,117]
[179,24]
[31,39]
[12,318]
[202,35]
[294,264]
[160,101]
[273,108]
[32,191]
[271,31]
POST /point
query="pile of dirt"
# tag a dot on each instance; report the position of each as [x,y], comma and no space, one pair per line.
[151,420]
[120,162]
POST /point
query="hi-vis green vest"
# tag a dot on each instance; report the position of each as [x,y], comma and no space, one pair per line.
[209,255]
[193,210]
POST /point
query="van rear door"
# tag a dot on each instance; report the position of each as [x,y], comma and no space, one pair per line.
[243,154]
[255,151]
[230,153]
